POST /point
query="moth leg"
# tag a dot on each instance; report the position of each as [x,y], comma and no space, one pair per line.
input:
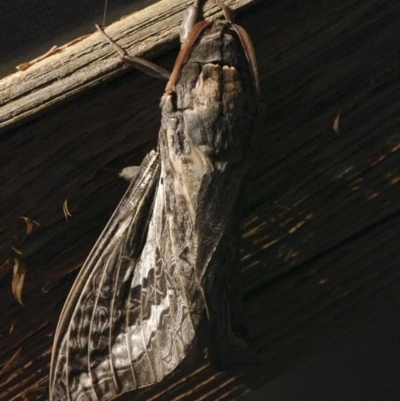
[142,65]
[225,9]
[193,15]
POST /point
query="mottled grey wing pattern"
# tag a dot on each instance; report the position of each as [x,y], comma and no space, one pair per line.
[133,312]
[108,340]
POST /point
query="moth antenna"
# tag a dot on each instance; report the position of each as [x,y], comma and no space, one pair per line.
[185,50]
[251,57]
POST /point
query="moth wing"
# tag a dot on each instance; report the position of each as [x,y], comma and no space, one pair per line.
[108,339]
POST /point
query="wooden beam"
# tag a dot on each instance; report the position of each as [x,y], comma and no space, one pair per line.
[84,63]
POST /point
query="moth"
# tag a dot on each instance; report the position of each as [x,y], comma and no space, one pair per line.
[166,264]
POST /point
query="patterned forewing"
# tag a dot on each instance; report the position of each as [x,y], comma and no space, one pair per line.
[94,311]
[162,312]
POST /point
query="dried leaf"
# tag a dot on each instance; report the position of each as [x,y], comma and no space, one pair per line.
[19,273]
[16,250]
[65,210]
[25,66]
[336,123]
[46,287]
[30,224]
[55,49]
[73,42]
[12,327]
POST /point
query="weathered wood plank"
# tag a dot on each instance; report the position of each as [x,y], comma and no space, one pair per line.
[319,248]
[90,61]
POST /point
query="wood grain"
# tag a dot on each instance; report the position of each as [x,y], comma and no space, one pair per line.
[319,251]
[85,63]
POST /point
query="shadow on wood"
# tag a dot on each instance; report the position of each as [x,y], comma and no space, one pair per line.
[318,251]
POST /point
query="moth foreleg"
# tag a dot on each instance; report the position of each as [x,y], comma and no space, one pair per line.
[145,66]
[193,15]
[225,9]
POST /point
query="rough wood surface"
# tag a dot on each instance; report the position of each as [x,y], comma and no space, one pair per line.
[319,251]
[87,62]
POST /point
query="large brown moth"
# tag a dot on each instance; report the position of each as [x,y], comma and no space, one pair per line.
[167,260]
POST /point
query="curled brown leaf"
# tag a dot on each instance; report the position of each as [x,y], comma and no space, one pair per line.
[66,210]
[19,273]
[30,224]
